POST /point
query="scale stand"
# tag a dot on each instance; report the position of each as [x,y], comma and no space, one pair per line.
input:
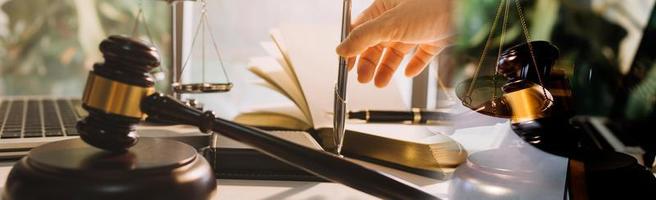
[181,25]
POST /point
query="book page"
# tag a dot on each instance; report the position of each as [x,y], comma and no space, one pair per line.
[312,54]
[285,61]
[281,108]
[291,85]
[278,80]
[272,120]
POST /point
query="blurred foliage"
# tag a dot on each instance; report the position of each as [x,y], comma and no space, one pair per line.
[47,46]
[642,100]
[587,42]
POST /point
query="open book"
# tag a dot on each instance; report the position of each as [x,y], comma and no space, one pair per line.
[278,74]
[305,73]
[302,66]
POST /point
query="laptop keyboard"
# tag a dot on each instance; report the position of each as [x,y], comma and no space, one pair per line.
[33,118]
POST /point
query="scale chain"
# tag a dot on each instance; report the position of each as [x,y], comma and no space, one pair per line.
[202,27]
[530,47]
[485,48]
[140,18]
[216,48]
[504,25]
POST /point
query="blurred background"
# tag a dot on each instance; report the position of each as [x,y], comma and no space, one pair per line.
[600,36]
[47,47]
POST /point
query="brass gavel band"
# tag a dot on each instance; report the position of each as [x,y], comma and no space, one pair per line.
[114,97]
[527,104]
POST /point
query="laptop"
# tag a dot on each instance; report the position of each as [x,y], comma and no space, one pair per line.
[27,122]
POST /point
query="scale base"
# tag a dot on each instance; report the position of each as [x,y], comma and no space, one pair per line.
[71,169]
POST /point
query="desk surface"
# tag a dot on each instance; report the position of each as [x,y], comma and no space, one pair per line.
[256,189]
[473,139]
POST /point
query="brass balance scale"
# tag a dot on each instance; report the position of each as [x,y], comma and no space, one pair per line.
[202,30]
[522,88]
[203,87]
[517,89]
[536,99]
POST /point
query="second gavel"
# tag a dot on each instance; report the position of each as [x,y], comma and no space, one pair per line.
[538,116]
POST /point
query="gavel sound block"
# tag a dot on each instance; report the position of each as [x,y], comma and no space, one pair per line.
[108,162]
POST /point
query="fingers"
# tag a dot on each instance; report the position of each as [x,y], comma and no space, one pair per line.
[371,12]
[423,55]
[368,62]
[350,62]
[390,62]
[370,33]
[361,38]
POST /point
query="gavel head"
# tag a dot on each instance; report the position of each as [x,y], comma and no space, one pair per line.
[113,92]
[516,63]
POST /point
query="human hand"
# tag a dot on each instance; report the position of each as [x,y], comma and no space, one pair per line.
[397,26]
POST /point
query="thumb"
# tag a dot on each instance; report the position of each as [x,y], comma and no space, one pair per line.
[364,36]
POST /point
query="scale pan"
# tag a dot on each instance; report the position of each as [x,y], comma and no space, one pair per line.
[521,101]
[482,98]
[201,87]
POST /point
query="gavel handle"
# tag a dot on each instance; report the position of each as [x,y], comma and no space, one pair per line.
[320,163]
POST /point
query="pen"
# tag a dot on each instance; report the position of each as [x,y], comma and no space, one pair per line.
[415,116]
[340,88]
[467,119]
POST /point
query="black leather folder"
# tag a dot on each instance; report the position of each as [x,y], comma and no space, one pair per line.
[237,163]
[251,164]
